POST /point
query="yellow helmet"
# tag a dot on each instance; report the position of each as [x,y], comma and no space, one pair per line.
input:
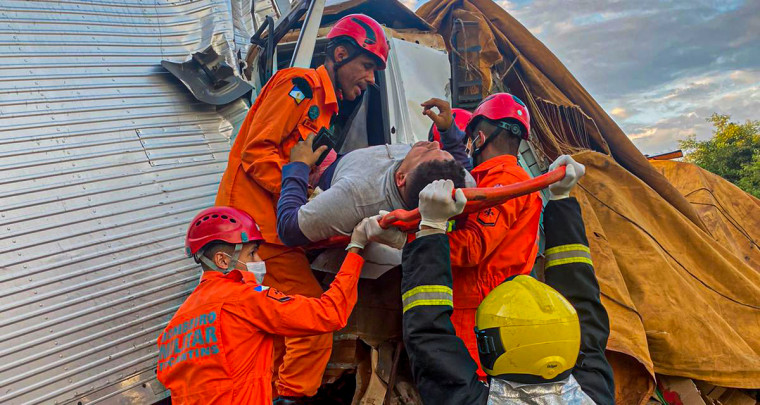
[527,332]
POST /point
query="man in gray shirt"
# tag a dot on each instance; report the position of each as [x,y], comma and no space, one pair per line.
[359,184]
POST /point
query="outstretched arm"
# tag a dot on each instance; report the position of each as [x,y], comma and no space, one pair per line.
[441,365]
[452,138]
[293,315]
[570,270]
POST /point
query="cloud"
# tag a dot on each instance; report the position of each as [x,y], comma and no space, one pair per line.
[658,68]
[652,142]
[410,4]
[618,112]
[615,47]
[745,76]
[680,108]
[507,5]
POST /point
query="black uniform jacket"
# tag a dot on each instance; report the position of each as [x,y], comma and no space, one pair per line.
[442,367]
[570,271]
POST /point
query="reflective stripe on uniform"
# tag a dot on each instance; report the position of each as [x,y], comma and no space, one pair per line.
[428,295]
[565,254]
[450,226]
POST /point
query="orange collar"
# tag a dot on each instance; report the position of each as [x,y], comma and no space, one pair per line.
[506,160]
[234,275]
[330,97]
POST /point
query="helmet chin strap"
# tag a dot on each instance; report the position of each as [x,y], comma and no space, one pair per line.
[337,65]
[233,260]
[478,150]
[335,68]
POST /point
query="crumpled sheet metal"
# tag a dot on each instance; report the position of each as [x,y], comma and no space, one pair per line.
[565,392]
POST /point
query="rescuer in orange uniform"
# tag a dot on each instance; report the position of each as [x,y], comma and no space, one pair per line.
[217,348]
[497,243]
[294,103]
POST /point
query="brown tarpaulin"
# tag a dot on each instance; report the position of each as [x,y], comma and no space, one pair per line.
[731,215]
[680,302]
[682,285]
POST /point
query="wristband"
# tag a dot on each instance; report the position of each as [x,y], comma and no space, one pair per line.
[426,232]
[442,225]
[555,197]
[354,245]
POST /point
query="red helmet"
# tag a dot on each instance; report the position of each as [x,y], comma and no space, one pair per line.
[501,106]
[461,118]
[225,224]
[365,33]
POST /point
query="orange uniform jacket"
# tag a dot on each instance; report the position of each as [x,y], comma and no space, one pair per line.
[294,103]
[491,245]
[218,346]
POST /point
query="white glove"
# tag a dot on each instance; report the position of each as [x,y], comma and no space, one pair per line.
[392,236]
[359,236]
[573,173]
[437,206]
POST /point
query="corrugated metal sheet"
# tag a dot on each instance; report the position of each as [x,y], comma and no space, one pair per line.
[104,157]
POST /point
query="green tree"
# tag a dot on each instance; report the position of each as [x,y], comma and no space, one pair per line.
[733,152]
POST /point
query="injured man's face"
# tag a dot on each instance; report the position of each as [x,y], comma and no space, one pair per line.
[423,151]
[425,163]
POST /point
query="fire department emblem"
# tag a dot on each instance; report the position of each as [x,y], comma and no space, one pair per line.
[278,295]
[488,216]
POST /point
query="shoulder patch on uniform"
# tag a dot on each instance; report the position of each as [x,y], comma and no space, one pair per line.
[313,112]
[297,95]
[488,216]
[278,295]
[303,85]
[260,288]
[301,90]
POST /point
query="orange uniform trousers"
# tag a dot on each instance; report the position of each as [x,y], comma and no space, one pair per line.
[217,348]
[298,362]
[492,245]
[294,103]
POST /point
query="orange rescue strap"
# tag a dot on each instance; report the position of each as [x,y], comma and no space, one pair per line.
[478,199]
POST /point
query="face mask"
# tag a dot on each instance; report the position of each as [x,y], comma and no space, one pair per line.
[259,269]
[472,150]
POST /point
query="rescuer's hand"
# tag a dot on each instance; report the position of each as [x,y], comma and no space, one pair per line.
[444,118]
[301,152]
[392,236]
[437,206]
[359,237]
[573,173]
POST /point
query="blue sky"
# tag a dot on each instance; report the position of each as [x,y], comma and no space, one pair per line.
[658,67]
